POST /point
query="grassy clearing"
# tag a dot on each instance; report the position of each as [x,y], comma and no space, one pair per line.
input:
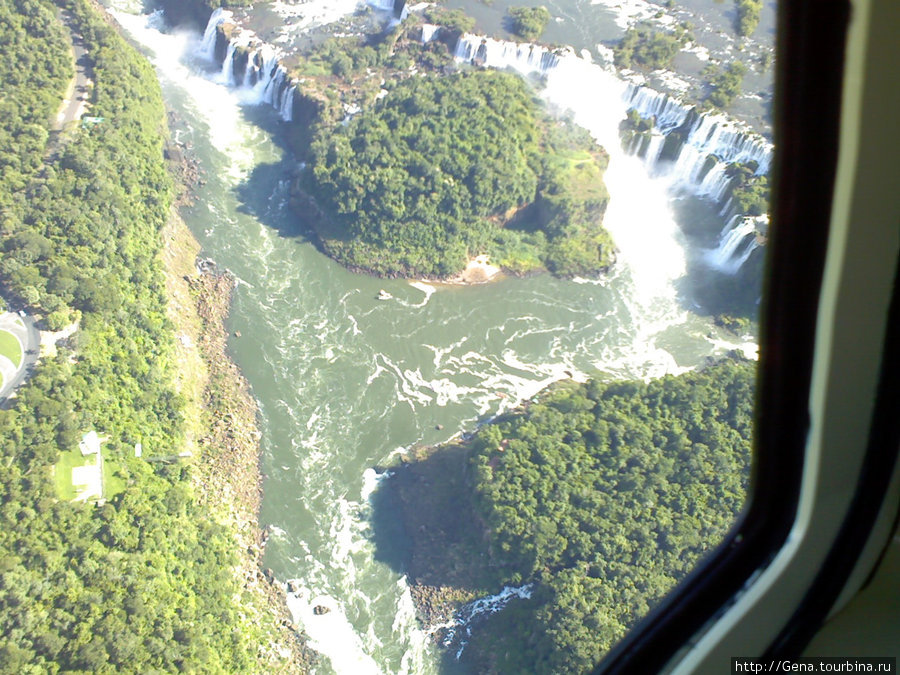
[10,348]
[62,473]
[113,476]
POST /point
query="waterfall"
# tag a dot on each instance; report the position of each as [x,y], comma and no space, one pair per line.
[639,216]
[264,79]
[228,65]
[208,44]
[713,136]
[523,57]
[704,138]
[429,32]
[689,150]
[397,8]
[668,112]
[737,241]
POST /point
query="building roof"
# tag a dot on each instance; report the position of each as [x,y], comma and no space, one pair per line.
[90,444]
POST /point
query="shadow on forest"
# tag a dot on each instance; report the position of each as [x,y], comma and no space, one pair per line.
[424,525]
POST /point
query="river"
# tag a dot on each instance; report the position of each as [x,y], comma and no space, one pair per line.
[344,381]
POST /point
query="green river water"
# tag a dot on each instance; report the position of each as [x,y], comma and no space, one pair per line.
[345,381]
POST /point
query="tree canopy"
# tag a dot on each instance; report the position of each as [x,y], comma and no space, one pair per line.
[144,582]
[650,48]
[601,495]
[429,175]
[749,192]
[528,22]
[747,16]
[725,83]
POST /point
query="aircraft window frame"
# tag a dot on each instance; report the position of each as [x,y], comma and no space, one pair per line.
[810,60]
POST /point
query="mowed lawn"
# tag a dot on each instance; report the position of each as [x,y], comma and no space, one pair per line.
[10,348]
[113,481]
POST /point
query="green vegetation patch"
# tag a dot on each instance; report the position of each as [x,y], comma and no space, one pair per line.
[749,192]
[113,471]
[10,348]
[62,473]
[82,237]
[455,21]
[649,48]
[601,495]
[446,168]
[725,84]
[528,22]
[747,16]
[35,66]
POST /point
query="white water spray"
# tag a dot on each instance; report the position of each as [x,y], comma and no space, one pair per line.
[639,216]
[736,243]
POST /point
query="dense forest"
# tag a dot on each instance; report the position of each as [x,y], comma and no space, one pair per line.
[144,581]
[601,495]
[447,167]
[35,67]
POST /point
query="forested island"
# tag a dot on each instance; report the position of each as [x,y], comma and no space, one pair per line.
[446,168]
[601,496]
[160,572]
[448,165]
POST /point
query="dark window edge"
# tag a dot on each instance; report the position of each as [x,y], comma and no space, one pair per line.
[810,64]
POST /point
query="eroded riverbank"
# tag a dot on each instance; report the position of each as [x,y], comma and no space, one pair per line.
[223,436]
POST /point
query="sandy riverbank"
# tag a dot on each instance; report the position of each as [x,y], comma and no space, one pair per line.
[479,270]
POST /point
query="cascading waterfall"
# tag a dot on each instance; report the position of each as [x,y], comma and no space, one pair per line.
[429,32]
[523,57]
[228,64]
[208,44]
[668,112]
[736,243]
[694,161]
[706,134]
[263,79]
[653,249]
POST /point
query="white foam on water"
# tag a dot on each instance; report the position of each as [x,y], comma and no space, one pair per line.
[462,622]
[300,16]
[406,625]
[629,12]
[372,481]
[427,289]
[745,345]
[215,105]
[330,633]
[276,531]
[441,353]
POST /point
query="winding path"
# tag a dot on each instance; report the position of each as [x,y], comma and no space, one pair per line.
[75,99]
[22,327]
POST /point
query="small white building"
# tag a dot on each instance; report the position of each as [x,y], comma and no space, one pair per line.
[90,444]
